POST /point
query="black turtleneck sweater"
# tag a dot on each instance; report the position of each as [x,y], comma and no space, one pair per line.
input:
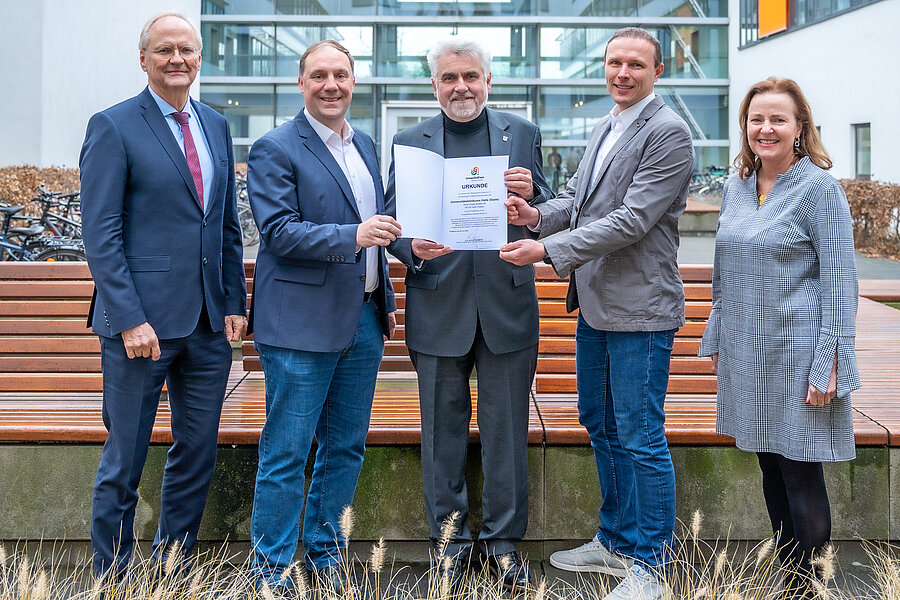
[466,139]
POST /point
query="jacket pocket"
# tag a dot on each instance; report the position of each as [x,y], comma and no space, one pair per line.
[522,274]
[631,285]
[424,281]
[298,274]
[148,263]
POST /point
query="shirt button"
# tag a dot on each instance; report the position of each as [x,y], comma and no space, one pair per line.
[205,260]
[362,277]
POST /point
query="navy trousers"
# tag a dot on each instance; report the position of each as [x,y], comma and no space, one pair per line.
[195,369]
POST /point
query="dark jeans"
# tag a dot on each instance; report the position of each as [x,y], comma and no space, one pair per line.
[622,380]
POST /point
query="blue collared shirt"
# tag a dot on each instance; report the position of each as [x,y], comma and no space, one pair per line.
[203,153]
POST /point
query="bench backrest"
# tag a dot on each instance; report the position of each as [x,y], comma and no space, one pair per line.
[556,353]
[45,344]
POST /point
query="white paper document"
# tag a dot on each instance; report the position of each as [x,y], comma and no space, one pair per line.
[458,202]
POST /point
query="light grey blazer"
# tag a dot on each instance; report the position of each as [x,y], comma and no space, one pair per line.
[621,250]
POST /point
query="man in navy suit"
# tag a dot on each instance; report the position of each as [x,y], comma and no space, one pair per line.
[164,248]
[322,308]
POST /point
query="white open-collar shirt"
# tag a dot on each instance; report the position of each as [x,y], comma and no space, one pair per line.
[360,179]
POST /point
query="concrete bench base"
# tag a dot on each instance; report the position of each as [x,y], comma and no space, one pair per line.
[45,493]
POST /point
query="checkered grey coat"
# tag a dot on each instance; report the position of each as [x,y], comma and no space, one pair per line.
[784,300]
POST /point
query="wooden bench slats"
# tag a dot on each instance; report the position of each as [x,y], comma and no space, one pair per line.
[59,326]
[86,344]
[45,308]
[558,345]
[44,270]
[50,364]
[678,366]
[566,327]
[51,382]
[47,289]
[678,384]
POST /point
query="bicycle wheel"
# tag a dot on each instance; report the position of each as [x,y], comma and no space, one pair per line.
[61,254]
[249,232]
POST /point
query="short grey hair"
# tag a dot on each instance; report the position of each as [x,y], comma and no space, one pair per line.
[144,40]
[457,45]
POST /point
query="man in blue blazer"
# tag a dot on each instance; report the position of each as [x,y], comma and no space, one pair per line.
[322,308]
[164,248]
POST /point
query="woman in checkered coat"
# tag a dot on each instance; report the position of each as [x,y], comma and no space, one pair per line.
[782,327]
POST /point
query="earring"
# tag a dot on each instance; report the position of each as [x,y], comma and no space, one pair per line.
[797,143]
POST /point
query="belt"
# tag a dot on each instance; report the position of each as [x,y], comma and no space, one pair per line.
[367,297]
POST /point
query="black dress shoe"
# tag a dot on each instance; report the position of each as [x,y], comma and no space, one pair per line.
[455,571]
[509,570]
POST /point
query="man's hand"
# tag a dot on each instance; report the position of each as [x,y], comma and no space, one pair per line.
[715,363]
[817,398]
[379,230]
[522,252]
[141,342]
[426,249]
[392,325]
[519,212]
[235,327]
[518,182]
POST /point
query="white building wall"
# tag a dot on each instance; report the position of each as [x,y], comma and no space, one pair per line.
[72,59]
[848,69]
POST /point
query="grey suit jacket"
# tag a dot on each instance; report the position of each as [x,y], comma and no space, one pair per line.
[621,250]
[449,296]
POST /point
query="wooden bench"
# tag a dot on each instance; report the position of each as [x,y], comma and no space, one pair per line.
[50,382]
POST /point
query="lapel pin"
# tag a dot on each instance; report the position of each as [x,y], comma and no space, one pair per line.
[505,138]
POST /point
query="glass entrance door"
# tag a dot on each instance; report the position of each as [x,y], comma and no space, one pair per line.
[399,115]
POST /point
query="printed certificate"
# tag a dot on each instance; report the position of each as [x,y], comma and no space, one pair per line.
[458,202]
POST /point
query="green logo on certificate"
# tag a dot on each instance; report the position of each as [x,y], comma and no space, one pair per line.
[474,170]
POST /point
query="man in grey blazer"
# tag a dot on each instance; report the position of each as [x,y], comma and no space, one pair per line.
[621,209]
[468,309]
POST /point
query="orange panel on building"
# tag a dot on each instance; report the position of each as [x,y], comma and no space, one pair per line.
[773,16]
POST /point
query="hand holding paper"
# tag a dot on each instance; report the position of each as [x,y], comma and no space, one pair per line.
[455,202]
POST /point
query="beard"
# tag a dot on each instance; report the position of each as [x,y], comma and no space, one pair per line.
[464,111]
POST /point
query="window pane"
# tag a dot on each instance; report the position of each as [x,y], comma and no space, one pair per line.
[863,150]
[560,163]
[249,109]
[237,7]
[683,8]
[570,113]
[293,41]
[325,7]
[711,156]
[237,50]
[704,109]
[688,52]
[402,49]
[594,8]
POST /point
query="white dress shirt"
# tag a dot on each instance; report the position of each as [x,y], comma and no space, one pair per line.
[360,179]
[619,122]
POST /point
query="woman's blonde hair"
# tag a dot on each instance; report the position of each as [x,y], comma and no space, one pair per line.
[810,144]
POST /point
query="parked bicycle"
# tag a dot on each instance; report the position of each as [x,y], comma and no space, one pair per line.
[30,243]
[60,213]
[249,232]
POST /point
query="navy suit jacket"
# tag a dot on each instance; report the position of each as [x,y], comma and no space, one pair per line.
[153,254]
[309,281]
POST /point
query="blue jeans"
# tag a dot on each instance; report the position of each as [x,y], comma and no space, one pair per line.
[329,395]
[622,381]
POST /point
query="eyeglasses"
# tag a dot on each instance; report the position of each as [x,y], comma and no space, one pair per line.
[186,52]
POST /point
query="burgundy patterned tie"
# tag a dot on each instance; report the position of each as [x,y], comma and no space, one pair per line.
[190,152]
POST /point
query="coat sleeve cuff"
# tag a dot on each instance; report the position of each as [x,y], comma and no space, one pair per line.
[823,360]
[709,345]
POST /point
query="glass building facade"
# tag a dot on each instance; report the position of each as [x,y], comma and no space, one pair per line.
[548,63]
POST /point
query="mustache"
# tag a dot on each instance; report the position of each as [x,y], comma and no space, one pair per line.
[465,96]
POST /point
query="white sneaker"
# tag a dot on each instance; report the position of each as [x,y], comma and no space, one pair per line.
[639,584]
[592,557]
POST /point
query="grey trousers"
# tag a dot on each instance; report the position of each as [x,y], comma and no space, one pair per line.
[504,386]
